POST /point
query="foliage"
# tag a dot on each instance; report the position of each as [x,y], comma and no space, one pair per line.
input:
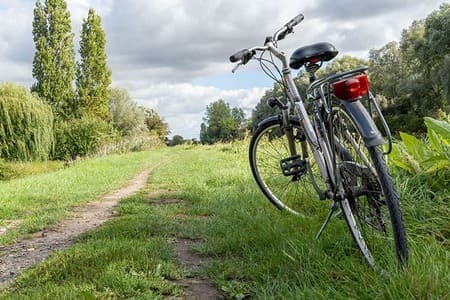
[80,137]
[14,170]
[26,125]
[54,59]
[93,75]
[155,124]
[414,75]
[176,140]
[126,117]
[135,143]
[430,157]
[6,172]
[222,123]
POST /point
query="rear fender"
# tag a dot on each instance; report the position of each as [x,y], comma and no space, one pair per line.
[370,133]
[279,118]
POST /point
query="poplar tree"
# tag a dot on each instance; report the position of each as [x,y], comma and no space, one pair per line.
[54,59]
[93,74]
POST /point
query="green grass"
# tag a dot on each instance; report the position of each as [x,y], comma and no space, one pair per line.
[257,251]
[13,170]
[35,201]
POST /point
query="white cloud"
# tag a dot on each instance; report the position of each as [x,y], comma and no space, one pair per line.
[183,105]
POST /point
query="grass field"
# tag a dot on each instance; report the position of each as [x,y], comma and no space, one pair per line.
[257,251]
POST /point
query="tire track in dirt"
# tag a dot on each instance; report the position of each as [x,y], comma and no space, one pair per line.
[195,286]
[16,257]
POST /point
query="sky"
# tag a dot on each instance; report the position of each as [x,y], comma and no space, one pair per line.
[172,55]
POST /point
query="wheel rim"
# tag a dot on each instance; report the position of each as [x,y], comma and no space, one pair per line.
[285,192]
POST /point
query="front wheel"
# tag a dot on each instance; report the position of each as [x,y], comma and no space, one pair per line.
[284,177]
[371,206]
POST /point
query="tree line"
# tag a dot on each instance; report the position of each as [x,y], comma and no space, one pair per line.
[411,80]
[71,110]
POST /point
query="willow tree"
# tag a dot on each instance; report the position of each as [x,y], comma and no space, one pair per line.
[26,125]
[93,74]
[54,59]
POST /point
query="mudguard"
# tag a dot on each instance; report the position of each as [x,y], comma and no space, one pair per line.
[278,118]
[369,131]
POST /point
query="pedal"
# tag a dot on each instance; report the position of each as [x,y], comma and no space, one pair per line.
[293,166]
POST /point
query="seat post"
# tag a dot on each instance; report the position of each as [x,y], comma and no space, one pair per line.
[312,68]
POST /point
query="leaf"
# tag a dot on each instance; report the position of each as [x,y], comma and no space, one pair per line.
[416,148]
[436,163]
[398,158]
[434,140]
[442,128]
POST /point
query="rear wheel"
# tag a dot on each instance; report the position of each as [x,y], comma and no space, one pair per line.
[281,175]
[372,208]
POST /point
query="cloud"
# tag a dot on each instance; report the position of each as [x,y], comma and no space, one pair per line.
[16,45]
[183,105]
[157,48]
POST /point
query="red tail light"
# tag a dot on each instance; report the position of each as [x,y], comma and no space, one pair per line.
[351,89]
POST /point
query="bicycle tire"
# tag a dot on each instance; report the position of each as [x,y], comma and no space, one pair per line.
[268,147]
[372,205]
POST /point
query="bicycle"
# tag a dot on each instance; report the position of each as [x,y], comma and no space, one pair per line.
[331,147]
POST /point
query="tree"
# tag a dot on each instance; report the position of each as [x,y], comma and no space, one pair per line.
[155,124]
[222,122]
[437,52]
[414,75]
[26,125]
[126,116]
[177,140]
[54,59]
[93,75]
[386,71]
[262,110]
[204,139]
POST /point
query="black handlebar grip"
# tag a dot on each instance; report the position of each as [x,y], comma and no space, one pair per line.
[239,55]
[295,21]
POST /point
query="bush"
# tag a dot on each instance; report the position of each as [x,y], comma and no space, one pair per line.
[120,144]
[5,171]
[26,125]
[429,158]
[80,137]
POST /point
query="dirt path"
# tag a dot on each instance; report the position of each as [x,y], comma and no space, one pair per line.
[24,253]
[21,255]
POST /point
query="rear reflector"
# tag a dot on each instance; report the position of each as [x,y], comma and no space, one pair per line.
[351,89]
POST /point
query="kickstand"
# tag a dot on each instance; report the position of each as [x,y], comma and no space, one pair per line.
[333,208]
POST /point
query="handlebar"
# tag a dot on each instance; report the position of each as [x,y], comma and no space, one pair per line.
[295,21]
[243,56]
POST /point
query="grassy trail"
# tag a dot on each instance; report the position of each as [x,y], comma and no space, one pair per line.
[255,251]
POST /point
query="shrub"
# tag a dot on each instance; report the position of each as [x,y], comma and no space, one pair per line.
[26,125]
[430,157]
[6,172]
[80,137]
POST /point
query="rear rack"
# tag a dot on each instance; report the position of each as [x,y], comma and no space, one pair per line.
[321,90]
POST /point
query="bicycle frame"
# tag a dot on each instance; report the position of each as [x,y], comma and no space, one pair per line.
[318,145]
